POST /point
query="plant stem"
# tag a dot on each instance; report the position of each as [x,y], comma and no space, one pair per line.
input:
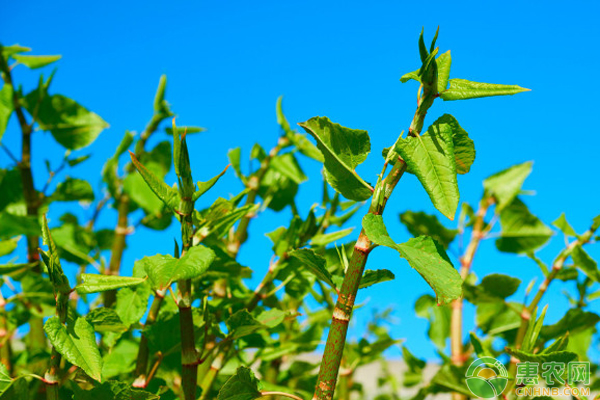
[336,339]
[52,378]
[5,347]
[528,311]
[291,396]
[241,233]
[118,246]
[37,339]
[141,366]
[456,321]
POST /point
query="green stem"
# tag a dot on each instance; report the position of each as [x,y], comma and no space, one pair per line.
[342,312]
[141,366]
[528,311]
[118,247]
[336,339]
[52,378]
[37,339]
[456,320]
[5,345]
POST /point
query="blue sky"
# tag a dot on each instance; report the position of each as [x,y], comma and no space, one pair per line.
[227,62]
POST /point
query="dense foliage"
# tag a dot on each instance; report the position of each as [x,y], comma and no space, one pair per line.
[186,324]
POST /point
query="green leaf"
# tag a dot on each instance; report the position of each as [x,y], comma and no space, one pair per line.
[95,283]
[504,186]
[323,239]
[189,130]
[439,319]
[478,346]
[521,231]
[106,320]
[556,356]
[165,269]
[6,107]
[234,156]
[499,285]
[34,62]
[575,320]
[168,195]
[300,141]
[241,386]
[8,51]
[51,259]
[371,277]
[343,150]
[431,158]
[77,344]
[562,224]
[204,187]
[287,165]
[313,262]
[242,323]
[461,89]
[585,263]
[444,61]
[132,304]
[14,225]
[8,246]
[423,254]
[73,189]
[113,390]
[141,193]
[161,107]
[71,124]
[109,171]
[533,330]
[420,223]
[464,148]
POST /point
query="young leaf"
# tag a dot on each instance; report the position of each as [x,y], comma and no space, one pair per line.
[323,239]
[420,223]
[585,263]
[73,189]
[431,158]
[132,304]
[444,61]
[71,124]
[464,148]
[371,277]
[77,344]
[109,171]
[34,62]
[287,165]
[241,386]
[562,224]
[300,141]
[204,187]
[52,261]
[165,269]
[343,150]
[557,356]
[314,263]
[575,320]
[423,254]
[164,192]
[6,107]
[521,231]
[505,185]
[94,283]
[462,89]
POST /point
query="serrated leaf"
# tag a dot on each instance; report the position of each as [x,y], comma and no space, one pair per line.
[444,61]
[287,165]
[556,356]
[106,320]
[562,224]
[323,239]
[371,277]
[132,304]
[424,255]
[575,320]
[71,124]
[95,283]
[314,263]
[77,344]
[6,107]
[52,261]
[521,231]
[343,150]
[165,269]
[464,148]
[420,223]
[462,89]
[431,158]
[585,263]
[204,187]
[34,62]
[558,345]
[505,185]
[73,189]
[241,386]
[169,196]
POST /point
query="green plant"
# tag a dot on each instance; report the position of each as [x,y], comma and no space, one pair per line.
[186,325]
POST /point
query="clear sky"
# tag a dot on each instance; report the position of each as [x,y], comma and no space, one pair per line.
[228,61]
